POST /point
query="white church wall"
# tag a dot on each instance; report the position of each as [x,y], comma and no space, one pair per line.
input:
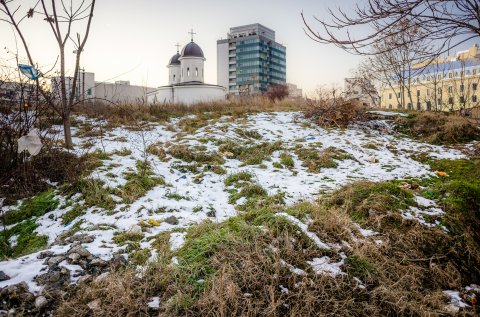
[162,95]
[187,95]
[174,74]
[192,94]
[192,69]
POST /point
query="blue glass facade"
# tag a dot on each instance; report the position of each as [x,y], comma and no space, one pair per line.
[255,63]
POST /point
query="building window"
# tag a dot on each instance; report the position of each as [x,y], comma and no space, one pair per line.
[474,72]
[450,100]
[439,101]
[409,106]
[188,71]
[450,89]
[429,105]
[474,86]
[419,106]
[89,92]
[398,95]
[450,75]
[196,71]
[418,93]
[173,78]
[474,98]
[439,77]
[462,99]
[399,106]
[439,91]
[390,96]
[462,88]
[390,106]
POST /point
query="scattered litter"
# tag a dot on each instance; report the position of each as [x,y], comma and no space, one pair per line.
[30,142]
[406,185]
[283,289]
[154,302]
[441,174]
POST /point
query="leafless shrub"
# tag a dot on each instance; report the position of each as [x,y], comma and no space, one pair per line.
[338,113]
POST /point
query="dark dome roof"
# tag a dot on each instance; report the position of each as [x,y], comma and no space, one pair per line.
[192,50]
[174,60]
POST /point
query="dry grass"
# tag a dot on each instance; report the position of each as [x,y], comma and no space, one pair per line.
[126,114]
[439,128]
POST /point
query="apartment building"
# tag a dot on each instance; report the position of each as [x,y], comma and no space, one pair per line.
[250,60]
[446,84]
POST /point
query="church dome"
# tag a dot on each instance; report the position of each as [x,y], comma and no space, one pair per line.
[192,50]
[174,60]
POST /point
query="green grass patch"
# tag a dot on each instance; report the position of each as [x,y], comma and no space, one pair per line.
[72,214]
[33,207]
[27,240]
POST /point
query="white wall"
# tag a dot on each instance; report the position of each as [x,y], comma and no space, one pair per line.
[194,64]
[85,85]
[174,74]
[119,93]
[187,95]
[222,65]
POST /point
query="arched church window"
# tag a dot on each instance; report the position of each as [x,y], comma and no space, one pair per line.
[196,71]
[174,78]
[188,71]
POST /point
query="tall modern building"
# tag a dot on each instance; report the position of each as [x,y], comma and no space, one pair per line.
[250,60]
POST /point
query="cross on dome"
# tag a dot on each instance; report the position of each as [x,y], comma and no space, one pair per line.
[191,33]
[178,47]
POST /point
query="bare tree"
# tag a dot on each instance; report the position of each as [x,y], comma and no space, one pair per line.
[448,23]
[60,16]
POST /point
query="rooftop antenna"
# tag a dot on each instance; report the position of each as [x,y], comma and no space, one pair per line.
[191,34]
[178,47]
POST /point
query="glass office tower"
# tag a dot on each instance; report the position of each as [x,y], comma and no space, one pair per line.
[250,60]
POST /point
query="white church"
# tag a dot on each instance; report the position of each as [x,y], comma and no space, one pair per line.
[186,80]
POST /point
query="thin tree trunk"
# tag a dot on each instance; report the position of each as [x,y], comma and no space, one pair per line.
[67,131]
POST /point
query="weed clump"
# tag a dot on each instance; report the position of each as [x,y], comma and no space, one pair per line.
[138,183]
[189,155]
[252,154]
[314,160]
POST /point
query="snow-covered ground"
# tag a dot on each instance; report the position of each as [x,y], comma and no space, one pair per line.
[194,202]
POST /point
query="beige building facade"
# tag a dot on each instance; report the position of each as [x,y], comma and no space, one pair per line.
[446,84]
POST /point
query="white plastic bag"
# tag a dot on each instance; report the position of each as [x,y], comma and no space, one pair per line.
[30,142]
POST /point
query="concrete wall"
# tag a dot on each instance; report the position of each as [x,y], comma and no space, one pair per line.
[121,93]
[85,85]
[188,94]
[222,63]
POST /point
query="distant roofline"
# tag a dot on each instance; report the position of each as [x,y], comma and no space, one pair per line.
[252,25]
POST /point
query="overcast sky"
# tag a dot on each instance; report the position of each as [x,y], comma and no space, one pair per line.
[134,40]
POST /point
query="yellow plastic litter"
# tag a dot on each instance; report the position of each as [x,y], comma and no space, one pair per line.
[153,222]
[441,174]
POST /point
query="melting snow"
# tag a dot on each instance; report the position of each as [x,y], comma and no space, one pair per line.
[209,198]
